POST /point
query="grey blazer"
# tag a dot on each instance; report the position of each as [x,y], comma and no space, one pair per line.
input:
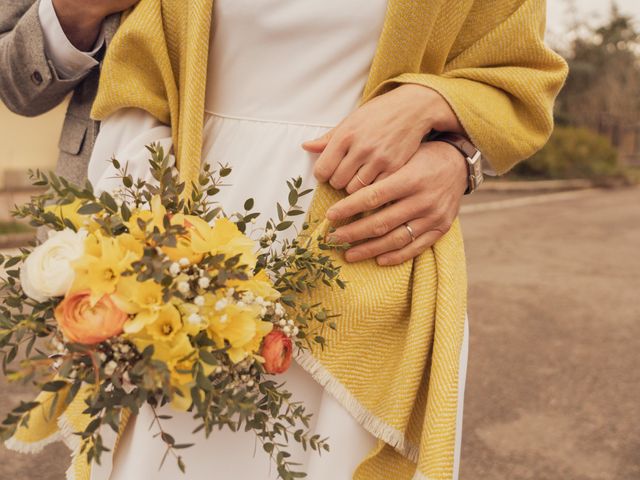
[30,85]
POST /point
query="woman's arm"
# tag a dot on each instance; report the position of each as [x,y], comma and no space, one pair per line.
[380,136]
[500,80]
[124,135]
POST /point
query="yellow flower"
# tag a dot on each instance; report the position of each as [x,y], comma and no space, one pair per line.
[167,325]
[141,299]
[105,259]
[69,211]
[172,350]
[179,355]
[242,327]
[252,347]
[260,285]
[183,249]
[153,218]
[223,237]
[182,402]
[133,296]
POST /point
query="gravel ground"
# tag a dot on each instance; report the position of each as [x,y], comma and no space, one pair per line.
[553,384]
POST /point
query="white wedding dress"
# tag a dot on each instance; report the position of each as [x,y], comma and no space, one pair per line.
[280,72]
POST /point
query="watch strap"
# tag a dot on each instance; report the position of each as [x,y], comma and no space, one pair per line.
[469,151]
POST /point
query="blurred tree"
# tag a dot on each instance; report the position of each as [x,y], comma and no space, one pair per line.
[603,86]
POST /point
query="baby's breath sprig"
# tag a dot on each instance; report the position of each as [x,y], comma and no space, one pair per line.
[120,376]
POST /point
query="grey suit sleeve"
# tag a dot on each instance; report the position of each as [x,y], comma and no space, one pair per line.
[29,83]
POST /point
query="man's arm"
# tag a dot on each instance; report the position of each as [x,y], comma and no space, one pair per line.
[43,49]
[29,82]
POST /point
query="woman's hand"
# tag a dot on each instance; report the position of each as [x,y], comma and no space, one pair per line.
[426,193]
[380,136]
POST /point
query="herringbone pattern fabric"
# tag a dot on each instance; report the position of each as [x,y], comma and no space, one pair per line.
[393,361]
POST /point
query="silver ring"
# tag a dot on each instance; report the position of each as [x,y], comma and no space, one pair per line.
[360,180]
[413,237]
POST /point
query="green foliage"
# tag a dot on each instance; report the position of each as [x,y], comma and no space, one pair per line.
[572,153]
[223,394]
[14,227]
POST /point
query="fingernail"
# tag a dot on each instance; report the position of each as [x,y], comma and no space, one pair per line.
[332,214]
[383,261]
[351,256]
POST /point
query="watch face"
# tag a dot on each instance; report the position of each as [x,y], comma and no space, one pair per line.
[475,164]
[477,169]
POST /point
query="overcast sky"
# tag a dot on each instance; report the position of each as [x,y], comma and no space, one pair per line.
[588,9]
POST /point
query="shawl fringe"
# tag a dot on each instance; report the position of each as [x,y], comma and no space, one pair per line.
[20,446]
[420,476]
[373,424]
[67,432]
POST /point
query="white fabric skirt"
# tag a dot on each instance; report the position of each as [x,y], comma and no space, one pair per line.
[263,155]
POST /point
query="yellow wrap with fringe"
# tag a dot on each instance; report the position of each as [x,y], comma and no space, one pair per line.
[393,360]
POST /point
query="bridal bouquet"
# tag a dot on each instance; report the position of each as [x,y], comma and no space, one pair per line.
[141,296]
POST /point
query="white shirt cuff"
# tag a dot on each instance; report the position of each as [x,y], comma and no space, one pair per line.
[487,169]
[66,58]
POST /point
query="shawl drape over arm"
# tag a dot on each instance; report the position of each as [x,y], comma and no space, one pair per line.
[393,360]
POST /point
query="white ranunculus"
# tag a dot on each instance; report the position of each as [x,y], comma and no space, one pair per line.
[47,271]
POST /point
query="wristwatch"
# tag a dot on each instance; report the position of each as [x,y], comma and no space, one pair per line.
[471,154]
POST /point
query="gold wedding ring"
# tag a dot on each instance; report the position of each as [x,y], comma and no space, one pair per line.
[360,180]
[413,237]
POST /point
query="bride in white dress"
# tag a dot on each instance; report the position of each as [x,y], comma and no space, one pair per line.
[280,72]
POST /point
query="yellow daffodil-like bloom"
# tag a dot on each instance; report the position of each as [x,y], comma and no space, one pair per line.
[143,300]
[172,350]
[201,238]
[260,285]
[70,212]
[171,346]
[105,259]
[182,250]
[223,237]
[153,218]
[242,327]
[167,325]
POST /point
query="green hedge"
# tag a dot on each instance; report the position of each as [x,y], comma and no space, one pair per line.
[572,153]
[14,227]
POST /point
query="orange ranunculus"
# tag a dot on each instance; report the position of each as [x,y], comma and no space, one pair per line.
[83,323]
[276,351]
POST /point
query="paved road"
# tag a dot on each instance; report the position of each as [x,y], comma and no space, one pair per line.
[554,385]
[553,382]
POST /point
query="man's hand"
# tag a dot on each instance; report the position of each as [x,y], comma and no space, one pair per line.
[81,20]
[426,193]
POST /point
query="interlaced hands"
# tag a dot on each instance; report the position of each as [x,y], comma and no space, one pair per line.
[425,193]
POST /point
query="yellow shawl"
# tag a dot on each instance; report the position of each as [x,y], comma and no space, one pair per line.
[393,361]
